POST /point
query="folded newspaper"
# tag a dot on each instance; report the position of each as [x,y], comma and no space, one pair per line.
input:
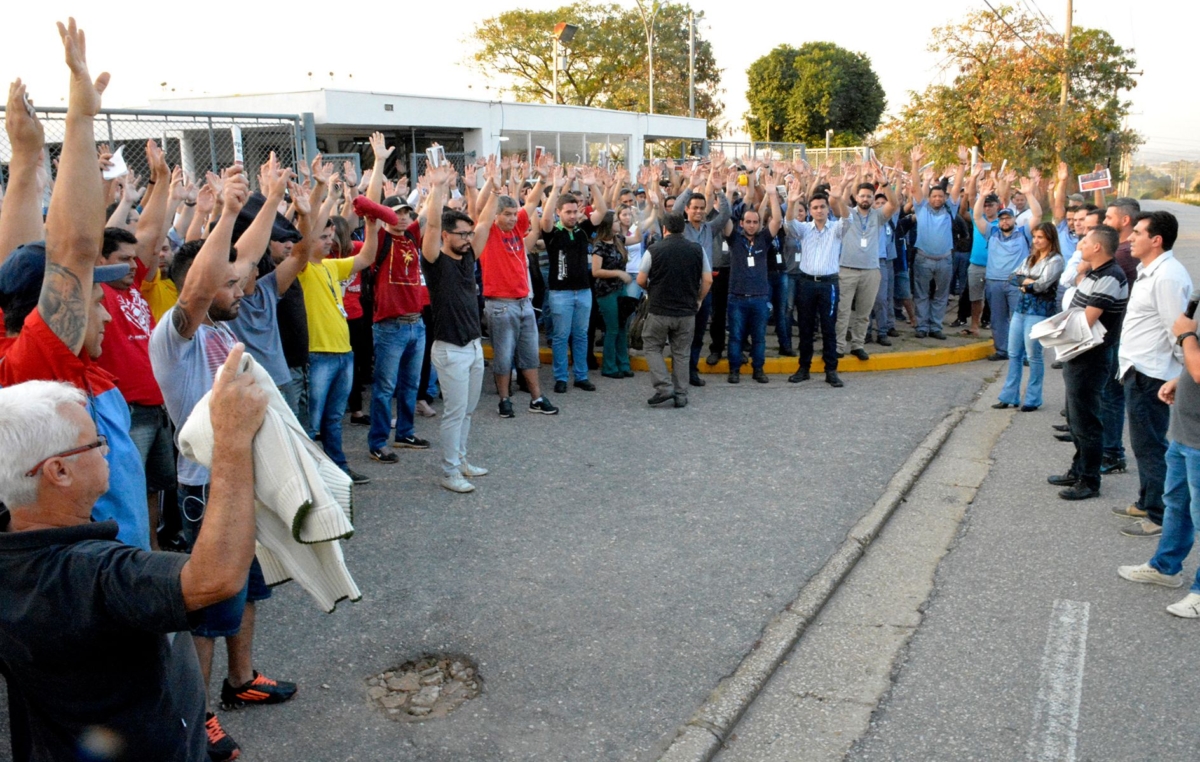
[1068,333]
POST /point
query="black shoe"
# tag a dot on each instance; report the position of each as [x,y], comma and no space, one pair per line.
[411,442]
[585,385]
[1063,412]
[831,378]
[958,323]
[760,377]
[883,341]
[937,335]
[1061,427]
[1064,437]
[543,406]
[841,355]
[798,376]
[627,373]
[735,377]
[681,400]
[613,375]
[1112,466]
[260,690]
[695,380]
[1056,365]
[221,747]
[745,359]
[860,354]
[1028,408]
[660,398]
[1078,492]
[893,332]
[985,324]
[1025,362]
[921,334]
[506,408]
[1002,406]
[384,456]
[713,358]
[360,419]
[788,353]
[560,387]
[356,477]
[997,357]
[1069,479]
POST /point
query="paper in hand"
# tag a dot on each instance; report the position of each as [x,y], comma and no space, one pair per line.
[119,168]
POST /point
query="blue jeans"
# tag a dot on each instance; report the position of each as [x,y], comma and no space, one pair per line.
[570,312]
[399,348]
[882,318]
[1002,298]
[1021,346]
[1112,413]
[1181,498]
[781,308]
[330,376]
[747,313]
[932,274]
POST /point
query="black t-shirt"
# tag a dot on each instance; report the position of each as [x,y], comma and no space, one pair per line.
[452,296]
[569,253]
[84,643]
[293,326]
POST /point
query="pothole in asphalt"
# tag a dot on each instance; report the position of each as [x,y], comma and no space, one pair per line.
[426,688]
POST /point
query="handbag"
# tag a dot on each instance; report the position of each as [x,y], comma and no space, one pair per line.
[639,323]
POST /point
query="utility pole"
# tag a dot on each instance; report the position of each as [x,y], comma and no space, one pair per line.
[1066,79]
[648,25]
[691,64]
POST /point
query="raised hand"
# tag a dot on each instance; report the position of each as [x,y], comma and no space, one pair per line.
[1064,172]
[322,171]
[216,183]
[206,200]
[299,198]
[131,192]
[237,190]
[178,189]
[157,161]
[349,173]
[23,128]
[276,177]
[917,155]
[588,176]
[964,155]
[380,147]
[987,186]
[85,94]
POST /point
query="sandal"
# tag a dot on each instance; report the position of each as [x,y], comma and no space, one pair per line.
[968,332]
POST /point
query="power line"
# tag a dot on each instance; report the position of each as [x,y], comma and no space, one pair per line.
[1045,18]
[1004,21]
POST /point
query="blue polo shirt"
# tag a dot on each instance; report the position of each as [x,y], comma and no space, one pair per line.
[1006,253]
[1067,240]
[748,263]
[935,229]
[979,244]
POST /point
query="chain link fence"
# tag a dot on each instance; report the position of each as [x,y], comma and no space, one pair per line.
[197,141]
[418,161]
[774,151]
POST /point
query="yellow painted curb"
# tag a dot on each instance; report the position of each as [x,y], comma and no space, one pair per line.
[924,358]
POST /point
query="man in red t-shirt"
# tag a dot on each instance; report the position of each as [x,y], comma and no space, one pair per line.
[126,348]
[502,228]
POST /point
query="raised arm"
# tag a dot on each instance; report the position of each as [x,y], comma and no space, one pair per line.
[75,222]
[431,238]
[556,180]
[599,205]
[21,217]
[956,188]
[366,255]
[256,239]
[776,210]
[1029,188]
[287,270]
[154,211]
[209,271]
[917,156]
[1058,206]
[981,222]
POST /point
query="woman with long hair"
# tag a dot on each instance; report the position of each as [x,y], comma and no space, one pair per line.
[1037,278]
[608,283]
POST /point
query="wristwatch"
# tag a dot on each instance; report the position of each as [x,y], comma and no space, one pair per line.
[1179,339]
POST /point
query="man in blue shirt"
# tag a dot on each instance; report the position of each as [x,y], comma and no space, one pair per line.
[1008,247]
[933,267]
[749,286]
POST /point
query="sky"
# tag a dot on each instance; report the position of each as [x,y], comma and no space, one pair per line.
[269,49]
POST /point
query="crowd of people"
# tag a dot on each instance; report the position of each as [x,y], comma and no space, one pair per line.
[128,304]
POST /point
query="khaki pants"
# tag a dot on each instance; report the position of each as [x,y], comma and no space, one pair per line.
[658,331]
[857,299]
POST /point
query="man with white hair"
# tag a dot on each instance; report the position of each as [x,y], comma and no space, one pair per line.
[89,651]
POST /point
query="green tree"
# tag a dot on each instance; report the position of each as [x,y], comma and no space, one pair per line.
[1004,98]
[795,94]
[605,63]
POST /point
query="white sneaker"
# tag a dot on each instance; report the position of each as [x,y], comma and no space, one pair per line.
[1149,575]
[1188,608]
[456,483]
[471,471]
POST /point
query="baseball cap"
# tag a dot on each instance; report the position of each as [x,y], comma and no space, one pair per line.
[1004,211]
[23,271]
[991,198]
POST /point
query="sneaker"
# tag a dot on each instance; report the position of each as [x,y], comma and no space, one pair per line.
[470,471]
[1149,575]
[1112,466]
[356,477]
[457,483]
[1188,608]
[958,323]
[1130,511]
[220,746]
[542,405]
[506,408]
[424,409]
[260,690]
[384,456]
[412,442]
[1142,528]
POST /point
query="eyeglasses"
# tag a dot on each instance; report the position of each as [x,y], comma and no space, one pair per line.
[461,233]
[101,441]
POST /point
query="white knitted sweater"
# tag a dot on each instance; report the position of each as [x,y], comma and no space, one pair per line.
[303,501]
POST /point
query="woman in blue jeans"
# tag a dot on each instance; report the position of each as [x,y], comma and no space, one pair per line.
[1037,278]
[608,283]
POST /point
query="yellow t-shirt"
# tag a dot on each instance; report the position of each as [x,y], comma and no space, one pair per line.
[160,294]
[327,327]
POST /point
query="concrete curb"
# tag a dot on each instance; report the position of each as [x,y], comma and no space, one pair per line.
[698,739]
[925,358]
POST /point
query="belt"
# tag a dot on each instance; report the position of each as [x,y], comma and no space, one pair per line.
[409,319]
[817,278]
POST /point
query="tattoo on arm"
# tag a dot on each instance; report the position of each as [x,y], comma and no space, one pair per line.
[179,318]
[63,305]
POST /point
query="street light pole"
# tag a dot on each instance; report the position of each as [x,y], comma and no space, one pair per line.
[556,69]
[648,25]
[691,64]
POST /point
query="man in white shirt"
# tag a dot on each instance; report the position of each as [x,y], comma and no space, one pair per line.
[1148,357]
[817,283]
